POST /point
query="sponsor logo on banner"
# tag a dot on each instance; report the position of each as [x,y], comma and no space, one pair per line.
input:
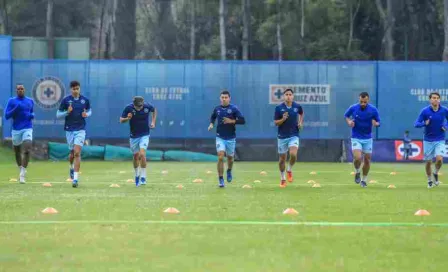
[305,94]
[415,154]
[48,92]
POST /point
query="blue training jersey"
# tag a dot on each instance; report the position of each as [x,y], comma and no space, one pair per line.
[226,131]
[74,120]
[363,120]
[290,127]
[437,121]
[21,110]
[139,123]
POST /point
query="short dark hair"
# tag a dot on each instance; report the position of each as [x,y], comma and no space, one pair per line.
[364,95]
[225,92]
[288,90]
[434,93]
[20,84]
[74,83]
[138,101]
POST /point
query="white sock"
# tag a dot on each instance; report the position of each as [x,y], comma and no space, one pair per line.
[72,166]
[143,172]
[137,171]
[289,168]
[283,174]
[364,178]
[436,171]
[429,178]
[357,170]
[75,176]
[22,171]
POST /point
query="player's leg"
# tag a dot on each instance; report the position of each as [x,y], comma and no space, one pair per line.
[143,145]
[439,151]
[79,138]
[367,152]
[293,146]
[134,145]
[17,144]
[357,156]
[18,155]
[428,150]
[282,146]
[230,152]
[27,138]
[69,135]
[221,150]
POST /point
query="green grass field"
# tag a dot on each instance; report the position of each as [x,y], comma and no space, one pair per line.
[340,226]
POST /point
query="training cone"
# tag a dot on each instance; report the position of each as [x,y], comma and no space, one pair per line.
[171,210]
[313,173]
[352,173]
[130,181]
[263,173]
[47,184]
[164,172]
[209,172]
[13,180]
[198,180]
[393,173]
[373,181]
[290,211]
[422,213]
[391,186]
[317,185]
[311,182]
[257,181]
[69,180]
[180,186]
[114,186]
[122,172]
[246,187]
[49,210]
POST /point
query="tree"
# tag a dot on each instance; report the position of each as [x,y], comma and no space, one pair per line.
[388,19]
[125,28]
[49,29]
[246,27]
[222,28]
[445,27]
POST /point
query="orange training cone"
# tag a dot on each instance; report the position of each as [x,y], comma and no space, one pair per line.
[290,211]
[209,172]
[246,186]
[171,210]
[393,173]
[257,181]
[313,173]
[317,185]
[164,172]
[391,186]
[130,181]
[198,180]
[373,181]
[422,213]
[114,186]
[263,173]
[47,184]
[180,186]
[311,182]
[49,210]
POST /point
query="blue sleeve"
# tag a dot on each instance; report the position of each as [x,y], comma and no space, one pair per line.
[63,106]
[213,116]
[376,116]
[348,113]
[88,105]
[151,108]
[277,115]
[32,110]
[420,120]
[125,112]
[300,110]
[239,118]
[10,109]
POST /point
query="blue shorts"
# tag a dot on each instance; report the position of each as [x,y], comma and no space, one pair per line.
[75,138]
[139,143]
[227,146]
[283,145]
[19,136]
[365,145]
[433,149]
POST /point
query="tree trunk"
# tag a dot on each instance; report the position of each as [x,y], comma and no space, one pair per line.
[445,26]
[352,23]
[111,37]
[4,18]
[125,29]
[388,25]
[246,26]
[193,30]
[49,29]
[222,28]
[101,38]
[302,18]
[279,33]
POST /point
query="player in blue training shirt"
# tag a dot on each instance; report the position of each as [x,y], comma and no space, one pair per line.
[433,119]
[228,116]
[20,109]
[75,108]
[360,117]
[289,119]
[137,113]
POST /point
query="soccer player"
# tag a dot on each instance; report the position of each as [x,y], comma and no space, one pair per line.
[137,113]
[75,108]
[228,116]
[433,119]
[407,145]
[360,117]
[289,119]
[20,109]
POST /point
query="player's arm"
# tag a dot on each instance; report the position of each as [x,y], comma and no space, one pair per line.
[87,110]
[279,118]
[212,119]
[125,116]
[239,119]
[348,119]
[32,110]
[376,119]
[154,117]
[62,111]
[10,109]
[301,116]
[421,120]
